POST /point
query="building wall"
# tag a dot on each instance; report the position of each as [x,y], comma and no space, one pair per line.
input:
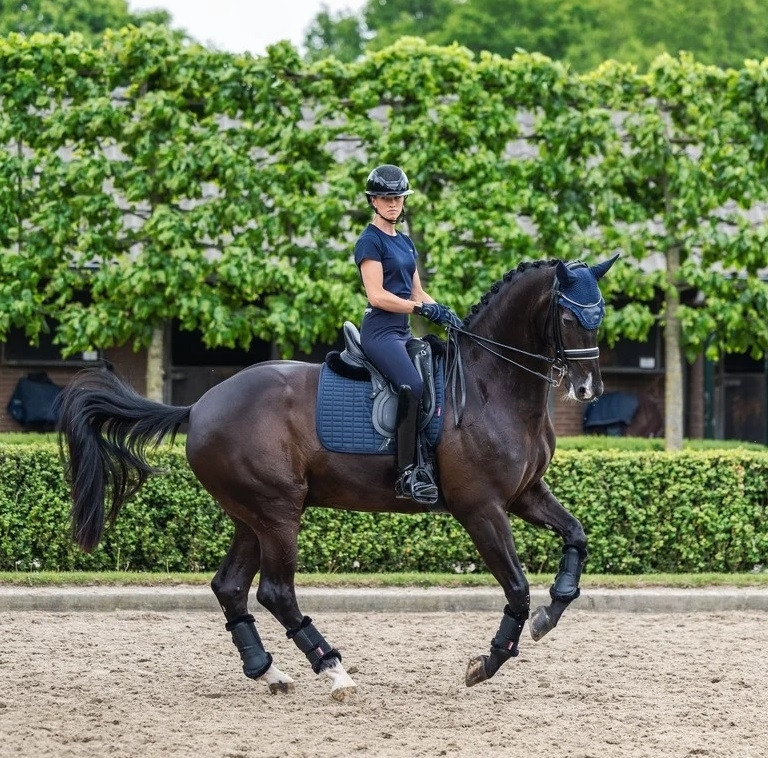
[567,416]
[128,364]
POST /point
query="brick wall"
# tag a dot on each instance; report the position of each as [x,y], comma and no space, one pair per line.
[568,416]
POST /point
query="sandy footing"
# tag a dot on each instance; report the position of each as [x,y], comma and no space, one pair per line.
[601,685]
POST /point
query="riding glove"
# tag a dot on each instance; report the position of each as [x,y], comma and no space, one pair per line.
[439,314]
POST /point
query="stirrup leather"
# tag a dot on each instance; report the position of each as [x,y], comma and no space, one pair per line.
[418,484]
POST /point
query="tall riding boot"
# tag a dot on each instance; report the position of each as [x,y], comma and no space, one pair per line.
[414,482]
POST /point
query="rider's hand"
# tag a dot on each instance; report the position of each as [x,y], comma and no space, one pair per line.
[439,314]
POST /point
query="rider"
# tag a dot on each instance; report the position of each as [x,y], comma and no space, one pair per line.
[387,262]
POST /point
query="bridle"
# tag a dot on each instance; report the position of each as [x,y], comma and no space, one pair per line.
[558,364]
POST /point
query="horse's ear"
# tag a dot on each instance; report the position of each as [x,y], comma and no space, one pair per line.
[600,269]
[564,275]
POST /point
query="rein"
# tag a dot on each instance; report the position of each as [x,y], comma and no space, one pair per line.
[557,364]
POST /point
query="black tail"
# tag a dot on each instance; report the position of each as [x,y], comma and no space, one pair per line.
[106,427]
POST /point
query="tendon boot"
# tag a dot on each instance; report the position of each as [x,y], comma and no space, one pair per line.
[415,480]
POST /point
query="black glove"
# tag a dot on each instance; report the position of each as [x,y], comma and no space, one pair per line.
[439,314]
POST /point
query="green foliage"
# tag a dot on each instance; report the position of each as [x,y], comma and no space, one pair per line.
[148,179]
[644,512]
[171,525]
[598,442]
[86,17]
[582,33]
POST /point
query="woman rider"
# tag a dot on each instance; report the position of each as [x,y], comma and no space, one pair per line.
[387,262]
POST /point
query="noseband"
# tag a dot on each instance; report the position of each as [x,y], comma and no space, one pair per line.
[558,365]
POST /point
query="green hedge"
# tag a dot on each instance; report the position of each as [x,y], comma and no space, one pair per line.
[644,512]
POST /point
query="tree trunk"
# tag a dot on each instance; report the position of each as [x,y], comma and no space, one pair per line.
[673,386]
[156,366]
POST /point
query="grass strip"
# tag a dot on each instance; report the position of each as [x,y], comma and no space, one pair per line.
[605,581]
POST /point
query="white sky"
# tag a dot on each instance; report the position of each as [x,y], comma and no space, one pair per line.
[238,26]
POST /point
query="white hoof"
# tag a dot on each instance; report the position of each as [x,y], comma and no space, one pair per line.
[342,694]
[342,683]
[277,681]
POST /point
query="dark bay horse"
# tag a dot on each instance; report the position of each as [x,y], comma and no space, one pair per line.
[253,445]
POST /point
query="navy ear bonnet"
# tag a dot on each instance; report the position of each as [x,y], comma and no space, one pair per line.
[577,290]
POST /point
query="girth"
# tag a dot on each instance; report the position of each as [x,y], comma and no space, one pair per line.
[353,363]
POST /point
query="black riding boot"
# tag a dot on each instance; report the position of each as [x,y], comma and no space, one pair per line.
[414,482]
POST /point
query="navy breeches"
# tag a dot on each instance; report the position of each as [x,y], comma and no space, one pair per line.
[384,336]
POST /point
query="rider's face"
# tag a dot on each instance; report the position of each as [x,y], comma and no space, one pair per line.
[389,207]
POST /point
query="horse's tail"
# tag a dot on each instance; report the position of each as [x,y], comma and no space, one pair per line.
[106,428]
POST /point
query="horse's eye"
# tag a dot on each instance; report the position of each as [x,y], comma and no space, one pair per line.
[568,318]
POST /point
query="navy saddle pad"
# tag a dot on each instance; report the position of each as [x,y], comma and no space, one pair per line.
[344,410]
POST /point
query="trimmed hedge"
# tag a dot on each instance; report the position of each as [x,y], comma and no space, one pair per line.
[644,512]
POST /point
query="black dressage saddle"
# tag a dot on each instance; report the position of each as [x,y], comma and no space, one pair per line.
[352,363]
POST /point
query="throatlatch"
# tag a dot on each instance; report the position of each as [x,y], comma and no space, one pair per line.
[566,584]
[255,659]
[312,644]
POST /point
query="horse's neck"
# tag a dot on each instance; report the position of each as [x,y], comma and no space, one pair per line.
[515,318]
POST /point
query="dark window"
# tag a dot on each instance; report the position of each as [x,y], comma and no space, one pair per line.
[632,355]
[188,349]
[17,350]
[742,363]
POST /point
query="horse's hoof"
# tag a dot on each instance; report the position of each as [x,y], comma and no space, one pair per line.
[342,694]
[476,672]
[282,688]
[540,623]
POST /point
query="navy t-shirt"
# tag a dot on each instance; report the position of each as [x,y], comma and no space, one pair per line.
[397,256]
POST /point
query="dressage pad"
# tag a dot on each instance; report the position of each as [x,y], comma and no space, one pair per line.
[344,408]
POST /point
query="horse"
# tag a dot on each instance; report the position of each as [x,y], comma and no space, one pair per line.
[252,444]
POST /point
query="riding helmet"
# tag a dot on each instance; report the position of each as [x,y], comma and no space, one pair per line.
[387,181]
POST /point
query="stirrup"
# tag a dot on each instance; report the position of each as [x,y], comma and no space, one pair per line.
[417,484]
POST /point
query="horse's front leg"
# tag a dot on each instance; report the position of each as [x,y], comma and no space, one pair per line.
[492,536]
[538,506]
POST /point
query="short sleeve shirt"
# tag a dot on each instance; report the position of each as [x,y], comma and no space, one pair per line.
[397,256]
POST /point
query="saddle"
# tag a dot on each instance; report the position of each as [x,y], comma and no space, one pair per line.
[354,364]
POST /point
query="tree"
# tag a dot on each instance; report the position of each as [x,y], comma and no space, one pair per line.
[127,200]
[340,35]
[89,18]
[148,179]
[582,33]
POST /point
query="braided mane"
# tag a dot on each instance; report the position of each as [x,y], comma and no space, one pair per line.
[510,276]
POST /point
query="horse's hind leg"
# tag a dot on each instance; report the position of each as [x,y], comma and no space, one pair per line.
[231,585]
[540,508]
[277,594]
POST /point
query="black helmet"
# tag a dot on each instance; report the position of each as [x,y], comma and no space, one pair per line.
[387,181]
